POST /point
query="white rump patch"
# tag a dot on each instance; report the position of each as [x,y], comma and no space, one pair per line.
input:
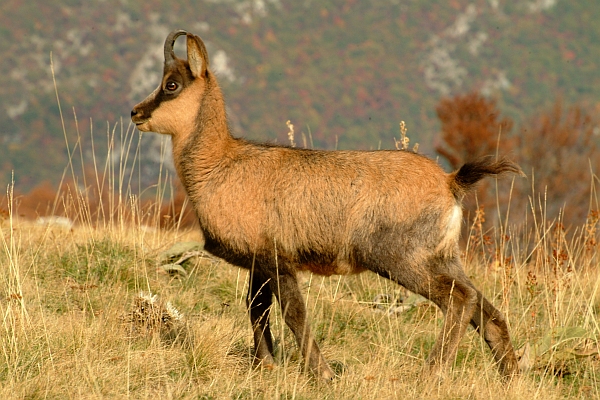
[450,231]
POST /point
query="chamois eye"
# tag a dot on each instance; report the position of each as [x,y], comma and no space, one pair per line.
[171,86]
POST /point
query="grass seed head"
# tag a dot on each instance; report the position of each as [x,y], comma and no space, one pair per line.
[149,314]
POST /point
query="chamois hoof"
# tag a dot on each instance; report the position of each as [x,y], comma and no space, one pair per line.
[510,375]
[264,363]
[327,374]
[331,370]
[338,368]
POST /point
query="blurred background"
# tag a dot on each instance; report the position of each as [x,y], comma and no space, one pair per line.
[469,78]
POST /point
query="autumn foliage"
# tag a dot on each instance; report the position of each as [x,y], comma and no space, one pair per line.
[99,204]
[471,128]
[557,149]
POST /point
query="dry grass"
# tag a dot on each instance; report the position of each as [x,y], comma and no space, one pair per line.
[66,294]
[73,325]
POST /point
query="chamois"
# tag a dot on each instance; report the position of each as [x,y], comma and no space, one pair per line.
[277,210]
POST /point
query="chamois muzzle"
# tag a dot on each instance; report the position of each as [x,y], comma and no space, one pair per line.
[137,116]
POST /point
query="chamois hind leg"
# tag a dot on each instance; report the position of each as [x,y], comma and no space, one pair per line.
[457,300]
[441,280]
[285,287]
[490,323]
[259,302]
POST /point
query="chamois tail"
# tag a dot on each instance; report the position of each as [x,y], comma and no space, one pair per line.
[463,180]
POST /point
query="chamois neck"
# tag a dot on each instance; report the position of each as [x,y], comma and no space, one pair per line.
[199,152]
[212,117]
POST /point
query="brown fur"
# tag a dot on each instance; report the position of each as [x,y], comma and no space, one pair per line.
[277,210]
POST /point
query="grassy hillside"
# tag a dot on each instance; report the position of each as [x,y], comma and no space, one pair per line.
[75,325]
[67,294]
[344,72]
[75,293]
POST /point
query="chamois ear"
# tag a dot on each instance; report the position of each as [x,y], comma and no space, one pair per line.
[197,55]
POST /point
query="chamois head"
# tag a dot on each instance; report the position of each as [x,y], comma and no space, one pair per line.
[173,107]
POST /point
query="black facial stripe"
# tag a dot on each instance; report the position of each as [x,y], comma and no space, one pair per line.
[179,74]
[156,101]
[161,97]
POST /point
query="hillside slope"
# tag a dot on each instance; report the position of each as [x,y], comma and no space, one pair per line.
[344,72]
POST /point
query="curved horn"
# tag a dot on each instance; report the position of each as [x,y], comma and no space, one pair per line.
[169,53]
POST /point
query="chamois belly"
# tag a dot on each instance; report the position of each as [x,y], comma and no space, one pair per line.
[328,269]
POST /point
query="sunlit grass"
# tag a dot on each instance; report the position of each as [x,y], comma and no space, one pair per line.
[66,293]
[69,299]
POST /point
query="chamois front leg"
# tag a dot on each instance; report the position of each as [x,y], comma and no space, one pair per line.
[259,302]
[285,287]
